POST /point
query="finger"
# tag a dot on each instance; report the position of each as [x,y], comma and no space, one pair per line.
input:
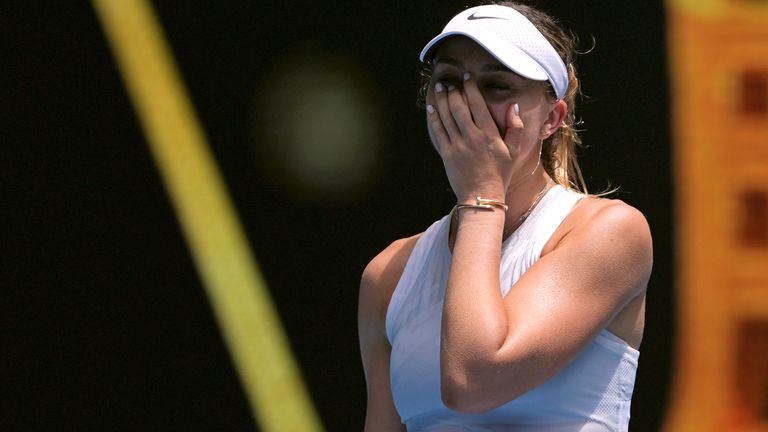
[457,103]
[437,133]
[444,112]
[514,121]
[477,106]
[514,130]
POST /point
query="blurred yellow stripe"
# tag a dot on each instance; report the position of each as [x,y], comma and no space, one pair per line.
[227,267]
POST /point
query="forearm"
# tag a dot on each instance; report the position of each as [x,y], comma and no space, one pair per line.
[474,323]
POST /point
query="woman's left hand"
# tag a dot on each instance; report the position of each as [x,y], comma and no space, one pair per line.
[477,160]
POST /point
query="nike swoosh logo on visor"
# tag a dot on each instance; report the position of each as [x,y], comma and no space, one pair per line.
[473,17]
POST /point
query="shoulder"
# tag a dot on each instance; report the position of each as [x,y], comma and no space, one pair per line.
[386,267]
[609,228]
[620,227]
[381,276]
[595,215]
[612,217]
[595,206]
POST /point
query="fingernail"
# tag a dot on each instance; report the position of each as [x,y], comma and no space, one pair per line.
[439,87]
[517,109]
[430,109]
[466,76]
[451,87]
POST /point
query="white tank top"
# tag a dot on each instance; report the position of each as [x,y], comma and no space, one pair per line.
[592,394]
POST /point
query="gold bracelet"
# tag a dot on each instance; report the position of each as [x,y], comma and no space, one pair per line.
[484,204]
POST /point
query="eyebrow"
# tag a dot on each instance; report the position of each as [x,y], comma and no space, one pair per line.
[490,67]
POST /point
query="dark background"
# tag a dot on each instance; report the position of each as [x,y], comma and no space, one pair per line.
[105,323]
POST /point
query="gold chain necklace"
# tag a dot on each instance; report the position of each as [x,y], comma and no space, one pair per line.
[528,212]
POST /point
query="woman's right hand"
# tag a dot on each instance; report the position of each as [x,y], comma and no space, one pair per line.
[478,160]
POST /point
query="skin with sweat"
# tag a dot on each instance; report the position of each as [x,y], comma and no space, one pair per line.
[487,124]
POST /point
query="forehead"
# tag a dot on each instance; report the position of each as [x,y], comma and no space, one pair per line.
[463,50]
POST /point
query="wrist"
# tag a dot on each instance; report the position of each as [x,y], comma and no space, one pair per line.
[469,218]
[492,194]
[492,190]
[482,203]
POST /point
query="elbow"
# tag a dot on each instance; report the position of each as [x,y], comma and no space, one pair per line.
[462,399]
[481,388]
[471,394]
[459,385]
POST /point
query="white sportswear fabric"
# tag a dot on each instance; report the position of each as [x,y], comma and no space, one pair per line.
[592,394]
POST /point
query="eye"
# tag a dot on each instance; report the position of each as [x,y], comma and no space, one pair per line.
[496,86]
[449,79]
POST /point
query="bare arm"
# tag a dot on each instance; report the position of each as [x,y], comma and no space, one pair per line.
[495,349]
[378,283]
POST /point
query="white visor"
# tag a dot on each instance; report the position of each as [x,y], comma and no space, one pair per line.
[512,39]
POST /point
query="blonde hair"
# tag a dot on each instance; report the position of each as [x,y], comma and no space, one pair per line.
[558,155]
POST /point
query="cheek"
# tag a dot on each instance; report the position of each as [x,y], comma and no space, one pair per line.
[499,114]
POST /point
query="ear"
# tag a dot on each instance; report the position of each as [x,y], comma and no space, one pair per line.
[554,119]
